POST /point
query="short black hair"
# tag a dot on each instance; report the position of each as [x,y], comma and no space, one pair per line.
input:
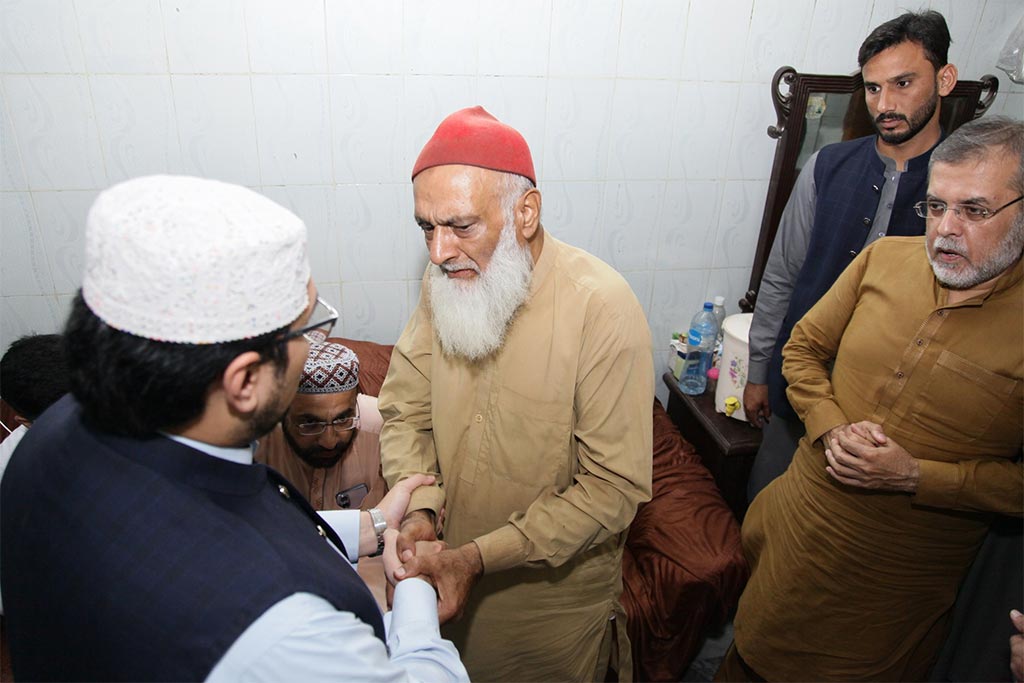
[133,386]
[927,29]
[34,374]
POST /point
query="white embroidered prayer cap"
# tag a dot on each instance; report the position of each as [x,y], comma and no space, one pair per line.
[191,260]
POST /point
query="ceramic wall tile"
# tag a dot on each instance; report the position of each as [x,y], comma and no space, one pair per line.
[688,224]
[641,125]
[286,37]
[778,30]
[12,172]
[217,127]
[137,129]
[39,36]
[716,38]
[62,217]
[629,218]
[739,223]
[578,119]
[837,30]
[315,206]
[23,266]
[293,131]
[364,37]
[376,311]
[702,128]
[572,213]
[584,37]
[55,131]
[206,37]
[369,225]
[515,38]
[752,152]
[122,36]
[434,43]
[367,129]
[651,39]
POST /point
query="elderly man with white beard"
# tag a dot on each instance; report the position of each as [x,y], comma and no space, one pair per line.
[524,383]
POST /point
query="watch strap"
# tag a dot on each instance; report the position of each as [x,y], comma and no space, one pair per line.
[380,525]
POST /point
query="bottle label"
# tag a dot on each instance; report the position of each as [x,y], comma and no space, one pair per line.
[693,338]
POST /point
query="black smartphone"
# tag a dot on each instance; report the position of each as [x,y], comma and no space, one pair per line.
[351,497]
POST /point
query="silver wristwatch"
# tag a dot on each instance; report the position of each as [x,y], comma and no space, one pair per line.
[380,525]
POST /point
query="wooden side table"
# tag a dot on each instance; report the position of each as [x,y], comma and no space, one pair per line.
[726,446]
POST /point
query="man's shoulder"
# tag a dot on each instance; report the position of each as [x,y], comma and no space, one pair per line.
[591,276]
[839,152]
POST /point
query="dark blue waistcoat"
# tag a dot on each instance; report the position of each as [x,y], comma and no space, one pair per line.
[848,178]
[145,560]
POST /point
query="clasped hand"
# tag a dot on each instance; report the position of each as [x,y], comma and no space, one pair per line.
[860,454]
[417,552]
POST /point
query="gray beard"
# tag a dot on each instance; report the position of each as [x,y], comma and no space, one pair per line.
[471,317]
[973,274]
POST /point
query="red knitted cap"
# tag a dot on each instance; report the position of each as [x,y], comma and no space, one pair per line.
[473,137]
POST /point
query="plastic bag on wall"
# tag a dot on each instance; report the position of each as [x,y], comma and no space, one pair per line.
[1011,59]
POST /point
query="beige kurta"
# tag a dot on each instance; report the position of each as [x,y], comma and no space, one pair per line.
[544,450]
[850,584]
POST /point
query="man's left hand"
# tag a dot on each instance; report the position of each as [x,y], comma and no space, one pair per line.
[872,460]
[453,572]
[394,504]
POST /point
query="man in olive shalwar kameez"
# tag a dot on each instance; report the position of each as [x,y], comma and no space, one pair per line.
[913,436]
[524,381]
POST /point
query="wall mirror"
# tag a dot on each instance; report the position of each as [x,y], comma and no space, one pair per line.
[816,110]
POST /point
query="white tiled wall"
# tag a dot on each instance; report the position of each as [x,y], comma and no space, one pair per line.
[646,118]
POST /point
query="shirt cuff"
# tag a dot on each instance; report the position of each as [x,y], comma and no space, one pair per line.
[427,497]
[822,417]
[503,548]
[757,372]
[346,524]
[939,484]
[415,603]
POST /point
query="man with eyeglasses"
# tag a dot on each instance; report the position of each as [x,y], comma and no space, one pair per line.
[848,195]
[327,443]
[139,539]
[909,374]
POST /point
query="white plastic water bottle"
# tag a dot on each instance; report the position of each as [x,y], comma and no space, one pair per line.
[700,347]
[720,314]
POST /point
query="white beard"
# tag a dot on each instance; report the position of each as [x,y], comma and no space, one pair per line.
[471,316]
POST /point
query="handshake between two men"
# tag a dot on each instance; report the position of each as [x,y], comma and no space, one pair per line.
[412,549]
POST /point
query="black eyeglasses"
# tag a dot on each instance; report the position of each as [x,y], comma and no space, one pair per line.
[972,213]
[342,424]
[322,321]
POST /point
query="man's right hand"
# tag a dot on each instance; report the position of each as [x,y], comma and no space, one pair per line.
[418,525]
[755,403]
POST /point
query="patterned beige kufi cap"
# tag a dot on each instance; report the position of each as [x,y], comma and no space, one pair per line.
[190,260]
[330,368]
